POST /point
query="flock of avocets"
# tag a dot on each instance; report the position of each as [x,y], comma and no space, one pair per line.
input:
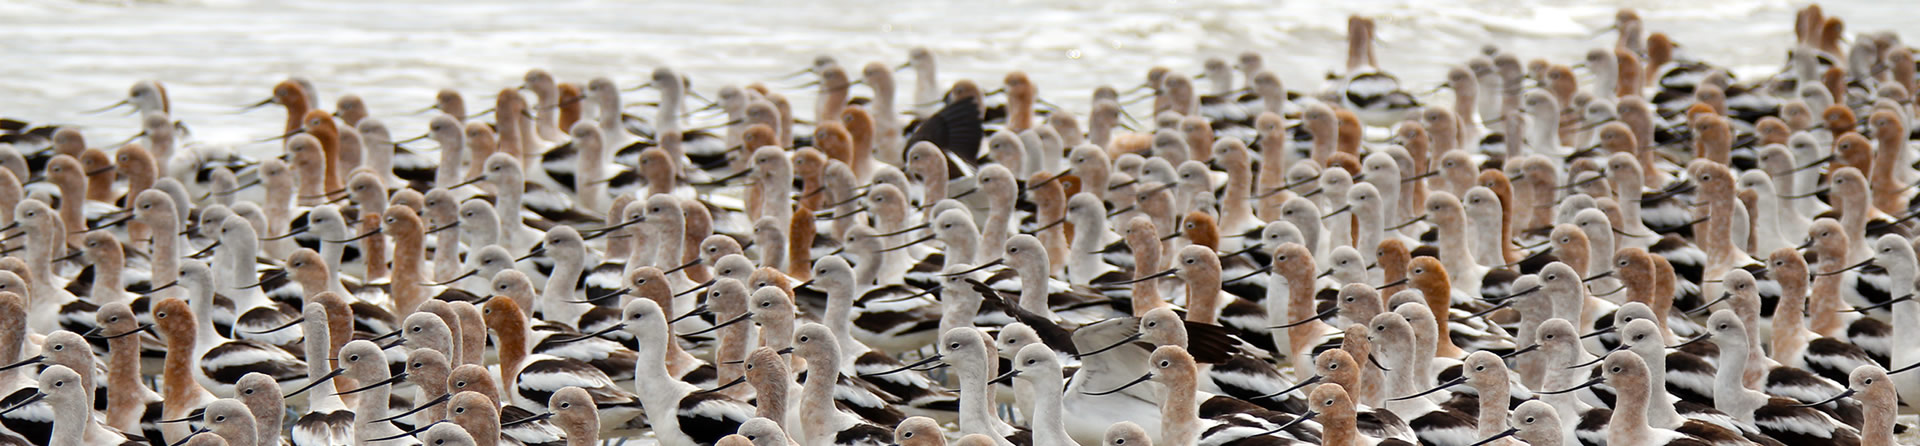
[1636,249]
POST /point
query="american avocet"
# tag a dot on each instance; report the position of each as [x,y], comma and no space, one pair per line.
[310,271]
[428,371]
[1340,425]
[175,320]
[972,356]
[231,420]
[476,413]
[679,412]
[477,379]
[72,179]
[890,318]
[129,398]
[1642,337]
[1338,366]
[363,362]
[1190,417]
[253,311]
[821,422]
[1534,422]
[50,304]
[447,434]
[1628,422]
[73,422]
[69,349]
[919,431]
[757,432]
[1229,366]
[220,359]
[1373,93]
[1793,344]
[767,372]
[1783,419]
[1464,275]
[528,379]
[1560,345]
[1431,278]
[1393,338]
[886,383]
[1039,293]
[16,379]
[575,414]
[1487,374]
[1293,263]
[265,405]
[1039,366]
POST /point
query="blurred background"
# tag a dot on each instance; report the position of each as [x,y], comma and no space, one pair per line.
[64,57]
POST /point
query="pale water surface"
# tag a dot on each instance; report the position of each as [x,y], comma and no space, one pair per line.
[63,57]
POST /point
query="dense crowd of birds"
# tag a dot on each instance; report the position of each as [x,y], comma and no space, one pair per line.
[1636,249]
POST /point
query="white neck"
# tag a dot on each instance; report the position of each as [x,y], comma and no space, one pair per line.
[1559,377]
[556,299]
[1487,239]
[1050,426]
[202,303]
[1730,393]
[1033,289]
[372,405]
[669,111]
[1661,412]
[960,248]
[71,423]
[960,307]
[1543,133]
[840,320]
[1088,239]
[321,397]
[452,147]
[816,399]
[508,212]
[976,401]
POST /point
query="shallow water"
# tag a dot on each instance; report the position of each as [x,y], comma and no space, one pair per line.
[63,57]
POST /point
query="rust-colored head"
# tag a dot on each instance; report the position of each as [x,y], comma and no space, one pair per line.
[1200,229]
[1393,258]
[1350,132]
[1429,276]
[173,319]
